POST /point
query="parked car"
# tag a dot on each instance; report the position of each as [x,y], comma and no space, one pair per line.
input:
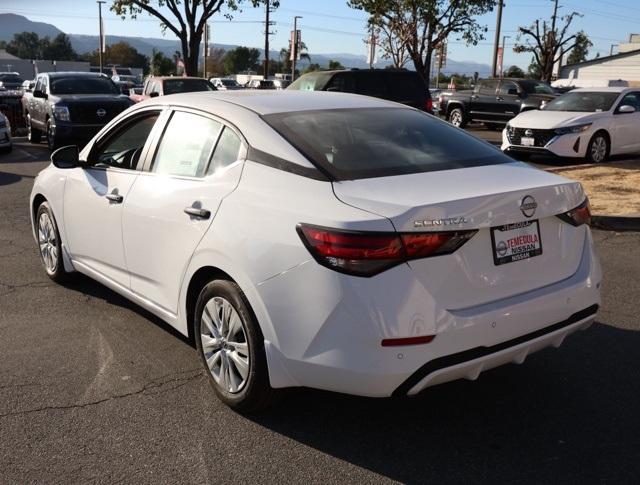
[281,83]
[10,80]
[590,123]
[162,86]
[338,242]
[261,84]
[225,84]
[5,134]
[494,101]
[71,107]
[397,85]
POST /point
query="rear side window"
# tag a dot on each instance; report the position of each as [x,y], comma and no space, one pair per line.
[404,87]
[342,82]
[227,150]
[186,145]
[378,142]
[372,84]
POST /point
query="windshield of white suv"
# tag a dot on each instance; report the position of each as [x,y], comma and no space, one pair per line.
[377,142]
[583,101]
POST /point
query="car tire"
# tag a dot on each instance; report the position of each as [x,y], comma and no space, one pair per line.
[33,135]
[599,148]
[457,118]
[233,355]
[50,244]
[52,141]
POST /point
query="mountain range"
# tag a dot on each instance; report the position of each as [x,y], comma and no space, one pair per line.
[11,24]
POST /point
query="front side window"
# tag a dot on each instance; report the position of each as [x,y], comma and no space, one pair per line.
[123,150]
[379,142]
[488,87]
[505,87]
[187,145]
[631,99]
[583,101]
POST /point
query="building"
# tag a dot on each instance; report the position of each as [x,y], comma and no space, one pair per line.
[624,66]
[28,69]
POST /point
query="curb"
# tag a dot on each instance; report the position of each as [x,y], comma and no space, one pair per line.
[616,223]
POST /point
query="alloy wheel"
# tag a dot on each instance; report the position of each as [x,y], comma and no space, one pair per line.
[456,118]
[599,149]
[225,345]
[47,242]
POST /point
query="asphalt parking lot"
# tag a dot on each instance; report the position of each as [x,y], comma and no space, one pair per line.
[93,388]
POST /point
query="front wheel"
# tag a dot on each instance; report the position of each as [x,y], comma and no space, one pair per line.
[49,244]
[231,347]
[457,118]
[598,149]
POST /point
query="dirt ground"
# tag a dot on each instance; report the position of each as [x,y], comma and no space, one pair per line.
[613,188]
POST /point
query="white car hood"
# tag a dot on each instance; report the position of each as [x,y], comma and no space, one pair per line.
[544,120]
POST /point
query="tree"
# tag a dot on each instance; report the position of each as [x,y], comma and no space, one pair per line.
[215,62]
[580,50]
[533,72]
[547,42]
[421,26]
[514,71]
[25,45]
[241,59]
[285,56]
[161,65]
[312,67]
[187,25]
[121,54]
[335,65]
[392,47]
[59,49]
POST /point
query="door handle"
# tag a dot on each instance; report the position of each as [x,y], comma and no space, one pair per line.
[196,212]
[115,197]
[499,98]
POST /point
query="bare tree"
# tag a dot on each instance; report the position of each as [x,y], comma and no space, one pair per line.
[185,18]
[547,42]
[392,47]
[422,25]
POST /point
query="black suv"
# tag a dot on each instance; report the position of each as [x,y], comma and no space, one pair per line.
[397,85]
[69,108]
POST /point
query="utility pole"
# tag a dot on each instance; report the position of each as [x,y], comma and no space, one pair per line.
[497,40]
[294,47]
[267,33]
[101,49]
[550,62]
[504,38]
[206,48]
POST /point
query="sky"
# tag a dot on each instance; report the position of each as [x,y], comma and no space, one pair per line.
[330,26]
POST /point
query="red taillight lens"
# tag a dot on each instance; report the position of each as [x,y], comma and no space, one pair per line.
[369,253]
[428,107]
[578,216]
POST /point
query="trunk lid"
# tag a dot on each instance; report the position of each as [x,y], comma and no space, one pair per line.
[478,198]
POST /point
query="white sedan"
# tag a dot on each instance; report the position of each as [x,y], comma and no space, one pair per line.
[5,134]
[590,123]
[327,240]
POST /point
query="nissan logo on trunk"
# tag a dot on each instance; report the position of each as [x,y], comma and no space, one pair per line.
[528,206]
[101,112]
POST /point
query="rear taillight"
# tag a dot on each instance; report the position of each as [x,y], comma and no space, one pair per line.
[578,216]
[369,253]
[428,107]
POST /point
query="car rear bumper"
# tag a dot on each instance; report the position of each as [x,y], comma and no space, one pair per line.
[329,337]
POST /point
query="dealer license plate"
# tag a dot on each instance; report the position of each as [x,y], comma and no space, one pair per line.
[515,242]
[527,141]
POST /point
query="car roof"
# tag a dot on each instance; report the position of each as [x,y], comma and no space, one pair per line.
[615,89]
[269,102]
[175,78]
[75,73]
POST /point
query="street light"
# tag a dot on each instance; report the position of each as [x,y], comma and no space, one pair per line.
[504,38]
[101,49]
[294,47]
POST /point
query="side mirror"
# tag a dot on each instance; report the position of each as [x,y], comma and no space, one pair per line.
[626,109]
[38,93]
[154,94]
[66,157]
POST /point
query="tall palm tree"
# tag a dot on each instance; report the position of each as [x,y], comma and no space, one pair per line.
[285,56]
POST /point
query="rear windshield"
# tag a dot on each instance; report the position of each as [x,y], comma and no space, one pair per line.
[228,82]
[583,101]
[83,85]
[378,142]
[173,86]
[536,87]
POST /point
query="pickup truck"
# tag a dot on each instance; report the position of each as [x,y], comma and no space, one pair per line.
[494,101]
[161,86]
[71,107]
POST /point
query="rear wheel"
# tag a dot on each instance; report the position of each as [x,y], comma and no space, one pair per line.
[231,347]
[599,148]
[33,134]
[457,118]
[49,244]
